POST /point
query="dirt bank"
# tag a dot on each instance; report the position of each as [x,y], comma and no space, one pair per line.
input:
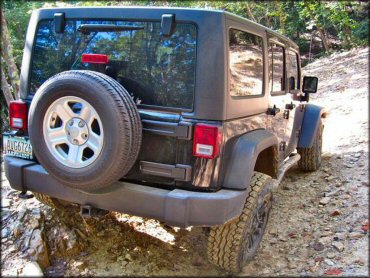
[318,224]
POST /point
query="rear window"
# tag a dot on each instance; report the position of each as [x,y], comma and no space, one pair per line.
[246,64]
[156,70]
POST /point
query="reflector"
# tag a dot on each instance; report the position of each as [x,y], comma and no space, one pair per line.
[95,58]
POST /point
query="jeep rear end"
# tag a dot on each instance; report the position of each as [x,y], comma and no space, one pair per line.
[171,114]
[163,58]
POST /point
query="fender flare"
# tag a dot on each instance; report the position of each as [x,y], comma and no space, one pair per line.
[244,155]
[311,119]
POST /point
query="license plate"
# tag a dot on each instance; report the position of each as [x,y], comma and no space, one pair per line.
[17,146]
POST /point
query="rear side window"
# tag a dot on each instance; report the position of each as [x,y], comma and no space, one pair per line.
[293,76]
[156,70]
[246,63]
[277,69]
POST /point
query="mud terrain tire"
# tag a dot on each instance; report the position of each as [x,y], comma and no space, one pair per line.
[110,108]
[233,244]
[311,157]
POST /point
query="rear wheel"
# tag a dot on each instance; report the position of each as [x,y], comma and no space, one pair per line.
[233,244]
[311,157]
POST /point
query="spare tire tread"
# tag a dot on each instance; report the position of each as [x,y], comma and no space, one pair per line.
[134,116]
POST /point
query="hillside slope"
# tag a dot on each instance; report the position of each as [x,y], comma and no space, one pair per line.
[318,224]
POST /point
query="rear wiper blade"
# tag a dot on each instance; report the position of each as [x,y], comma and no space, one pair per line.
[88,28]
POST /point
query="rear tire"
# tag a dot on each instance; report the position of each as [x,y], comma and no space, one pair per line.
[311,157]
[233,244]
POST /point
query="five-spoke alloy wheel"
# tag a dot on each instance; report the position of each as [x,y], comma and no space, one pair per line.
[73,131]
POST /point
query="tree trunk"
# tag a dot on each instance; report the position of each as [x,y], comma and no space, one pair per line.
[7,55]
[348,35]
[309,54]
[320,28]
[324,38]
[5,88]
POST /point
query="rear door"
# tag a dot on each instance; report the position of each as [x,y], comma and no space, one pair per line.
[158,72]
[166,152]
[284,81]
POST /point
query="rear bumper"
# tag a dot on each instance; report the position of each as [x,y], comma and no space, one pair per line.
[175,207]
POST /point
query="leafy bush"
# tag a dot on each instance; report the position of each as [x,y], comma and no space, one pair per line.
[361,32]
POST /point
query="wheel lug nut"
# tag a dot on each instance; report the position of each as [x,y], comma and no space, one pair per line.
[71,123]
[75,141]
[84,135]
[68,133]
[81,124]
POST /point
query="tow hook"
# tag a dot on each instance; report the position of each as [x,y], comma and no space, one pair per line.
[89,211]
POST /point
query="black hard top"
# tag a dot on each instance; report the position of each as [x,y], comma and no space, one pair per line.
[211,97]
[145,12]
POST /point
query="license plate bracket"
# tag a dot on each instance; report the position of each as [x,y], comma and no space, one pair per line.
[17,146]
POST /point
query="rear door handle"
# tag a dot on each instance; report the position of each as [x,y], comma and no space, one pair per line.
[273,111]
[290,106]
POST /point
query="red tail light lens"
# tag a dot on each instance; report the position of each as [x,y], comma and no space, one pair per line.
[18,114]
[95,58]
[207,141]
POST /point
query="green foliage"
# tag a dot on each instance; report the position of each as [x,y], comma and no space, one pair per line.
[361,31]
[345,22]
[18,14]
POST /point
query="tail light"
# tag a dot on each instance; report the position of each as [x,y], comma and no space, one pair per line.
[207,141]
[95,58]
[18,114]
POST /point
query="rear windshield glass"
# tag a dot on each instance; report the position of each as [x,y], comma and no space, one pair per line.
[156,70]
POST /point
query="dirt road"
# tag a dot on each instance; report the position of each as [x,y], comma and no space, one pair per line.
[318,224]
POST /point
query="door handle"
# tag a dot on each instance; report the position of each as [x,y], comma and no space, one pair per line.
[290,106]
[272,111]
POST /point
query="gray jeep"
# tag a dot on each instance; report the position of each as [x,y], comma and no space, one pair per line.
[187,116]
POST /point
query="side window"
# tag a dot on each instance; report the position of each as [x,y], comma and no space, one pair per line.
[293,76]
[277,68]
[246,64]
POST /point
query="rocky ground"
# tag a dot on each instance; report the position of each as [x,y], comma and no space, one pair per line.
[318,224]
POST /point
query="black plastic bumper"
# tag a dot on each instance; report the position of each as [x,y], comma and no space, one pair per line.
[175,207]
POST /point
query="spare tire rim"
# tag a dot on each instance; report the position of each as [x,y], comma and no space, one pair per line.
[73,132]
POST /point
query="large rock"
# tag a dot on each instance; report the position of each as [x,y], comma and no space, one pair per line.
[63,240]
[324,201]
[38,249]
[32,269]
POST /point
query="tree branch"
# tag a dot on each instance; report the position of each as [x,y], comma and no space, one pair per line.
[5,88]
[249,12]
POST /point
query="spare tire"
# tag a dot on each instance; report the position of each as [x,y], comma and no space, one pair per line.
[85,129]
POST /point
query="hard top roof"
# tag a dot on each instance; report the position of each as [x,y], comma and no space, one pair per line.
[185,10]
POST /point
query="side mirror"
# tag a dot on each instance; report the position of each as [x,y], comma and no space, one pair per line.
[310,84]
